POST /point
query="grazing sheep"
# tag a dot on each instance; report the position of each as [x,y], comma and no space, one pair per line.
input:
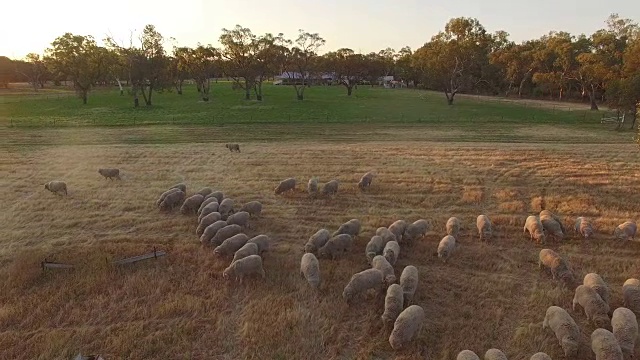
[206,221]
[180,186]
[484,227]
[310,269]
[165,194]
[594,307]
[583,227]
[625,329]
[379,262]
[547,213]
[254,208]
[241,218]
[317,240]
[626,231]
[231,244]
[409,283]
[393,304]
[246,250]
[56,187]
[605,345]
[595,282]
[365,181]
[557,265]
[226,208]
[631,295]
[210,231]
[191,204]
[540,356]
[361,282]
[263,242]
[391,252]
[407,326]
[495,354]
[208,209]
[565,328]
[110,173]
[375,246]
[225,233]
[204,191]
[285,185]
[535,229]
[330,188]
[233,147]
[337,244]
[312,187]
[249,265]
[453,226]
[351,227]
[207,201]
[386,234]
[218,195]
[550,225]
[414,231]
[446,247]
[398,228]
[172,201]
[467,355]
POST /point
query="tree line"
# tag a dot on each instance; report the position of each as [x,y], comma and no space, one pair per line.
[462,58]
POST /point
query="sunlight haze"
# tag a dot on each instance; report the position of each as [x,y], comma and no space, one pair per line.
[363,26]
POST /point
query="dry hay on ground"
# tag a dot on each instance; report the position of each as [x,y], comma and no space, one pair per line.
[488,295]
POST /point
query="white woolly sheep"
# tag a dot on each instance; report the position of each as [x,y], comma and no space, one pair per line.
[361,282]
[374,247]
[584,227]
[165,194]
[254,208]
[231,244]
[246,250]
[453,226]
[110,173]
[208,209]
[631,295]
[605,345]
[549,259]
[263,242]
[249,265]
[626,231]
[391,252]
[226,208]
[218,195]
[547,213]
[407,326]
[446,247]
[285,185]
[180,186]
[312,187]
[567,332]
[595,282]
[398,228]
[540,356]
[594,307]
[336,245]
[351,227]
[330,188]
[225,233]
[233,147]
[172,201]
[414,231]
[317,240]
[484,227]
[240,218]
[206,221]
[379,262]
[495,354]
[207,201]
[210,231]
[467,355]
[191,204]
[625,329]
[365,181]
[310,269]
[551,226]
[409,283]
[56,187]
[204,191]
[535,229]
[386,234]
[393,304]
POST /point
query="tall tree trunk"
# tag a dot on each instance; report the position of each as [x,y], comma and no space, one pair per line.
[592,98]
[349,90]
[120,86]
[84,97]
[136,101]
[449,96]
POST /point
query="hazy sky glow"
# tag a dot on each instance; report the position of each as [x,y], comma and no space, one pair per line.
[362,25]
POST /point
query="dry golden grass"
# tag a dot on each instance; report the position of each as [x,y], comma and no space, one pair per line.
[179,307]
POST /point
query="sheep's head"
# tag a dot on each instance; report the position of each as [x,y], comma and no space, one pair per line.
[618,233]
[570,347]
[228,272]
[46,186]
[602,321]
[309,248]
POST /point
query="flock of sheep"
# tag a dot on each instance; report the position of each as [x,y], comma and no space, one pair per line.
[220,226]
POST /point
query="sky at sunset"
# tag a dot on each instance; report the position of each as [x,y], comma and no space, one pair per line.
[362,25]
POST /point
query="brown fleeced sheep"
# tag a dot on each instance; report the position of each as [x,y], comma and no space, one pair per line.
[208,209]
[330,188]
[626,231]
[594,307]
[551,226]
[391,252]
[205,191]
[225,233]
[540,356]
[312,187]
[336,245]
[218,195]
[317,240]
[398,228]
[386,234]
[549,259]
[365,181]
[191,204]
[206,221]
[240,218]
[393,304]
[254,208]
[164,195]
[414,231]
[409,283]
[446,247]
[172,201]
[56,187]
[380,262]
[207,201]
[453,226]
[535,229]
[180,186]
[547,213]
[210,231]
[110,173]
[484,227]
[226,208]
[233,147]
[495,354]
[584,227]
[246,250]
[263,242]
[631,295]
[231,245]
[565,329]
[361,282]
[407,326]
[310,269]
[351,227]
[374,247]
[249,265]
[605,345]
[285,185]
[625,329]
[467,355]
[595,282]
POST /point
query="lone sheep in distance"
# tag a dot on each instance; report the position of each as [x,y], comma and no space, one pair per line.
[365,181]
[285,185]
[56,187]
[233,147]
[626,231]
[110,173]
